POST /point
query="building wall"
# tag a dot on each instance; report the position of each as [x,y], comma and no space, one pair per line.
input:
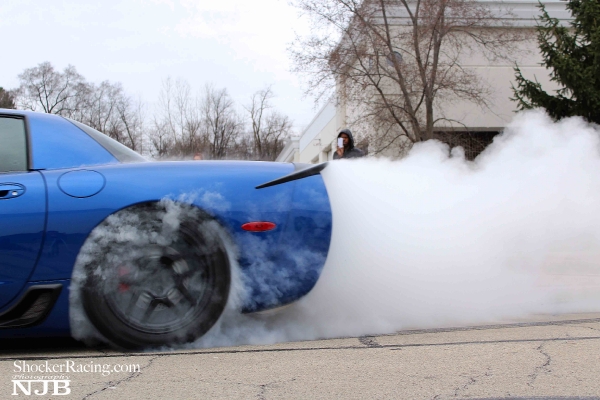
[317,141]
[498,77]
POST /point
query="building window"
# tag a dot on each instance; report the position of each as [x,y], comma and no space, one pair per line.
[474,142]
[394,56]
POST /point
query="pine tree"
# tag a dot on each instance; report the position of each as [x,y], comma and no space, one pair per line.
[573,56]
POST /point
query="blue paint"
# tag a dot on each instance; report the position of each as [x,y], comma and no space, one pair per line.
[81,183]
[57,143]
[11,190]
[43,229]
[21,231]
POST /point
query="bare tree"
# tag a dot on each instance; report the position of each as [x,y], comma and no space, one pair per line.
[242,148]
[392,62]
[108,109]
[45,89]
[6,99]
[269,128]
[222,124]
[132,117]
[207,124]
[130,114]
[105,107]
[161,140]
[177,125]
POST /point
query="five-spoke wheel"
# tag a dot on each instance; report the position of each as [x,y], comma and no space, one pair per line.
[159,286]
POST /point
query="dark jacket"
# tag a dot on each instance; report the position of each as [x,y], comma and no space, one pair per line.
[350,151]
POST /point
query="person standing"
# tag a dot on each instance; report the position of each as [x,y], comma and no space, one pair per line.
[347,150]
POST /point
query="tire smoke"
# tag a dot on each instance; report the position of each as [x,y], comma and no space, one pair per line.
[127,241]
[435,240]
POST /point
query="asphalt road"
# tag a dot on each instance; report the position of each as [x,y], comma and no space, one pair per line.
[545,357]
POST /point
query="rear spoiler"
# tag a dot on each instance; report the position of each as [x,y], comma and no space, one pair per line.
[301,171]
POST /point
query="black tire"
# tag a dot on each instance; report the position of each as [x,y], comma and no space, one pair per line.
[153,281]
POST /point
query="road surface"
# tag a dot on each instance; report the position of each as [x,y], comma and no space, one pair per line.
[545,357]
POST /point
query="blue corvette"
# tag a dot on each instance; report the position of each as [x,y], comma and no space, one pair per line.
[147,250]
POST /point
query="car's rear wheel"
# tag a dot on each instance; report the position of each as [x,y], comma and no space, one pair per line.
[160,275]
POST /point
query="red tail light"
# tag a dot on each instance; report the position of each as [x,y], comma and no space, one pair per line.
[258,226]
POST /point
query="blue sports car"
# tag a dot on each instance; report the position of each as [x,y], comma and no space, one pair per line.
[147,250]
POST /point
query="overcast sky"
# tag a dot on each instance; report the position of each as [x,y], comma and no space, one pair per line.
[236,44]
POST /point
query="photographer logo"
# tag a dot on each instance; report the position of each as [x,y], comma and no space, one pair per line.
[41,387]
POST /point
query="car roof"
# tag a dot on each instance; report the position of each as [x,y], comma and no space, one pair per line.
[27,113]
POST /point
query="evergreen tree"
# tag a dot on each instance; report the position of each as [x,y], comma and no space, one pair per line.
[6,99]
[573,56]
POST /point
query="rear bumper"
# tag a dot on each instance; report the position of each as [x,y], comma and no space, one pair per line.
[291,267]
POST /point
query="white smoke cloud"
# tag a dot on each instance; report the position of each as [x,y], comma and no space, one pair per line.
[435,240]
[137,233]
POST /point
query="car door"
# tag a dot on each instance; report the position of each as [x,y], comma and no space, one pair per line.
[22,208]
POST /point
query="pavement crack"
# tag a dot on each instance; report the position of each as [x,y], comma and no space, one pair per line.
[369,341]
[129,378]
[544,368]
[263,388]
[400,346]
[471,380]
[589,327]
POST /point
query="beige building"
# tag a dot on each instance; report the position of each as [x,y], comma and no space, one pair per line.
[317,142]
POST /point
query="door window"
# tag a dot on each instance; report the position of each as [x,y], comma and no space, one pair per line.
[13,144]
